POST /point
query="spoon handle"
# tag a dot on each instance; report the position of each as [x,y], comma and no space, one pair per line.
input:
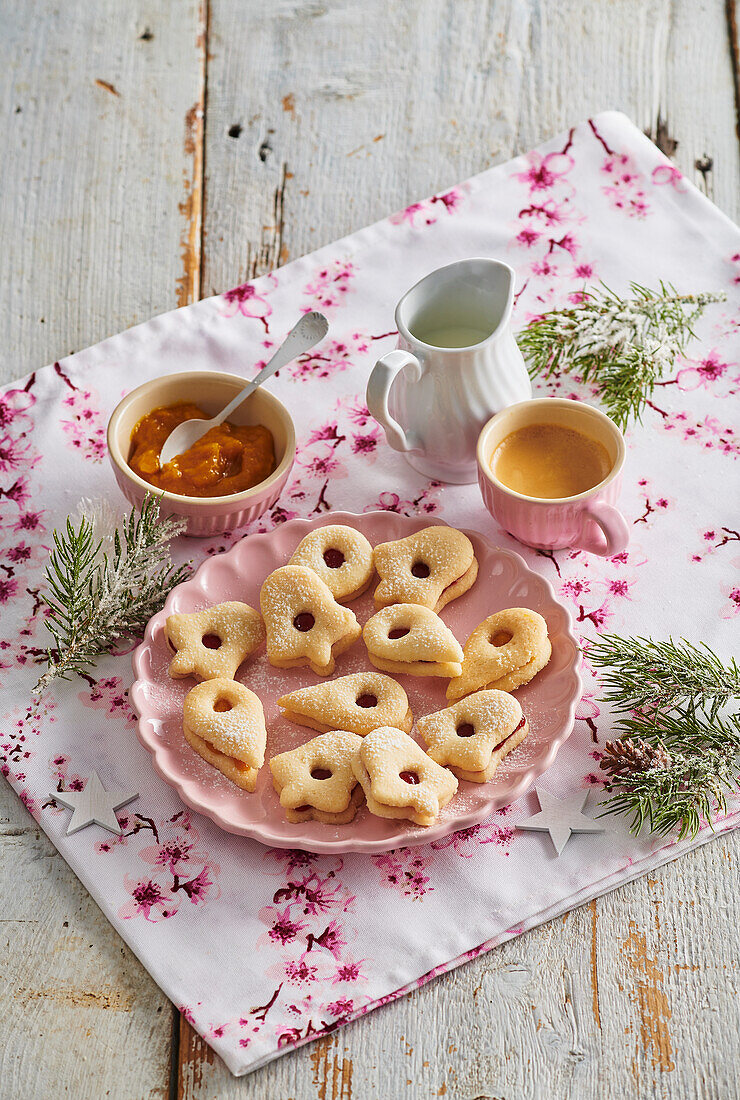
[311,328]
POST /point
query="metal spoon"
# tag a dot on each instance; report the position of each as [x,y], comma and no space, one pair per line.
[311,328]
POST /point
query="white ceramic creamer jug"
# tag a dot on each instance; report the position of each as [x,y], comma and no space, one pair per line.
[457,364]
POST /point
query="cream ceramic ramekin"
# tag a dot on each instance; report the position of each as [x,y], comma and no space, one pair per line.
[211,390]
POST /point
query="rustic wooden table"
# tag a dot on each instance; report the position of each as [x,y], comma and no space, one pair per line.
[157,152]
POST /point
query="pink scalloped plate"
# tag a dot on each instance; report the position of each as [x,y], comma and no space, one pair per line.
[504,580]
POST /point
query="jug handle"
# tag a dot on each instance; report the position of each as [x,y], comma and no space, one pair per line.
[379,384]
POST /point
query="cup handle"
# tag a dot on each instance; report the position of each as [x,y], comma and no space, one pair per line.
[379,384]
[615,534]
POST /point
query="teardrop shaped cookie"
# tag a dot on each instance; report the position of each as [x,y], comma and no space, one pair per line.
[341,556]
[505,651]
[408,638]
[225,724]
[360,702]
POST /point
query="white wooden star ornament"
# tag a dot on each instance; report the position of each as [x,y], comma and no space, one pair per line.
[560,817]
[94,805]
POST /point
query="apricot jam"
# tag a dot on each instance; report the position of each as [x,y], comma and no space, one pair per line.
[228,458]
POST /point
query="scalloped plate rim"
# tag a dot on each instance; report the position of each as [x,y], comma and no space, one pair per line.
[413,835]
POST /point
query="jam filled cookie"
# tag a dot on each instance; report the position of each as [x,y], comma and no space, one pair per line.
[473,736]
[317,782]
[409,638]
[506,651]
[224,722]
[213,642]
[399,779]
[341,556]
[305,625]
[430,568]
[360,702]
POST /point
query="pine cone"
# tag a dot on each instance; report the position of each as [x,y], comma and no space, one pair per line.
[625,757]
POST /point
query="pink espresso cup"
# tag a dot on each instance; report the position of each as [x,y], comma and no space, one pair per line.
[589,521]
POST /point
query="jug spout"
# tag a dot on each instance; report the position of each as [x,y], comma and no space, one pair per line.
[460,305]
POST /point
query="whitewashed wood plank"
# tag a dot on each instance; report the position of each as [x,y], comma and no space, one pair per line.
[96,183]
[635,994]
[347,111]
[80,1017]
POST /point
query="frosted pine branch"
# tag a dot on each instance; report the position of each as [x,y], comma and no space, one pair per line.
[623,345]
[103,584]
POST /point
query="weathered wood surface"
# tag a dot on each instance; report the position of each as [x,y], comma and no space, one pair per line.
[239,134]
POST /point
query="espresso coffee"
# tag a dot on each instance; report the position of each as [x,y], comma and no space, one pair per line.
[550,461]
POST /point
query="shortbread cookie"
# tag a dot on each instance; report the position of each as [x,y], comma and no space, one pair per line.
[305,625]
[213,642]
[317,781]
[360,702]
[408,638]
[505,651]
[224,722]
[399,779]
[341,556]
[430,568]
[473,736]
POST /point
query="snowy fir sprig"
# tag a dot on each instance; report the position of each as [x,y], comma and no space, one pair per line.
[676,758]
[623,346]
[104,581]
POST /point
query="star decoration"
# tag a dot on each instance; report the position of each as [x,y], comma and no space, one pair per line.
[94,805]
[560,817]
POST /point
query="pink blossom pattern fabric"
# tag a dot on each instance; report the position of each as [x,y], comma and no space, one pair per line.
[263,950]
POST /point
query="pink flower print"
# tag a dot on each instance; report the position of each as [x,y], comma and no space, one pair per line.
[367,444]
[732,607]
[528,237]
[465,841]
[544,172]
[19,492]
[199,888]
[668,174]
[340,1008]
[702,374]
[109,695]
[323,463]
[85,428]
[284,928]
[588,711]
[325,432]
[624,190]
[8,589]
[359,414]
[329,285]
[330,938]
[575,587]
[424,212]
[403,869]
[15,453]
[300,972]
[584,271]
[450,199]
[619,587]
[177,855]
[244,299]
[349,972]
[29,521]
[407,214]
[148,899]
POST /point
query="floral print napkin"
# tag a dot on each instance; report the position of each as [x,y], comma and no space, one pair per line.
[263,950]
